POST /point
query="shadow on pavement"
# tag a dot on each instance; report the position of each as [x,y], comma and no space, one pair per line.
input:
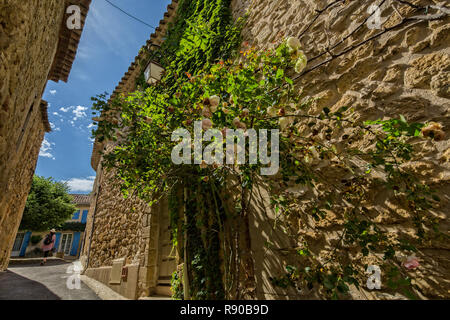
[16,287]
[29,264]
[33,262]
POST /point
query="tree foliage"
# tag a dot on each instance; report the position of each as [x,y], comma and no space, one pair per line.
[48,205]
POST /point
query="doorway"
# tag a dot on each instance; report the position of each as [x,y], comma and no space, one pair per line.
[167,260]
[66,243]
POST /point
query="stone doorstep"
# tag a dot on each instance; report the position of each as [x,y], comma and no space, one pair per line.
[101,290]
[106,293]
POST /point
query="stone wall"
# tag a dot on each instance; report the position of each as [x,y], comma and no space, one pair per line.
[406,71]
[28,42]
[117,228]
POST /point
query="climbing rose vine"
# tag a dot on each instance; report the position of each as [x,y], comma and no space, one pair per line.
[256,91]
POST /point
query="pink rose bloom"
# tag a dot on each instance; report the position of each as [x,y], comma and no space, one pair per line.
[206,124]
[411,263]
[206,112]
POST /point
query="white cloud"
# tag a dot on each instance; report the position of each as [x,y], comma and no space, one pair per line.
[54,128]
[81,184]
[66,109]
[46,149]
[79,112]
[90,126]
[56,114]
[53,92]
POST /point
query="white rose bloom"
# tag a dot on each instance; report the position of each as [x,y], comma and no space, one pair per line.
[213,108]
[293,43]
[236,122]
[284,122]
[225,110]
[271,111]
[302,61]
[214,101]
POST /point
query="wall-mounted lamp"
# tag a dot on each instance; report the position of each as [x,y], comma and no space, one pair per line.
[153,72]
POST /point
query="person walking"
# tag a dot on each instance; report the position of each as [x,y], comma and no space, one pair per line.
[49,243]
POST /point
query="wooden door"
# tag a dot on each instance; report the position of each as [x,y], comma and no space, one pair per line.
[167,262]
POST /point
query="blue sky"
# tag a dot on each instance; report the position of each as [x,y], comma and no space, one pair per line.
[109,43]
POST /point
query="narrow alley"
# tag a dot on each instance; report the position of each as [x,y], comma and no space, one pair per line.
[32,281]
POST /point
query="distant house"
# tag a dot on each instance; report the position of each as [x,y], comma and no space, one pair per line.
[68,237]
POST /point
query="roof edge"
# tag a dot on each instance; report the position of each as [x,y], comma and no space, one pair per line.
[68,43]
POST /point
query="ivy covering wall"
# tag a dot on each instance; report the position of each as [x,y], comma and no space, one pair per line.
[202,34]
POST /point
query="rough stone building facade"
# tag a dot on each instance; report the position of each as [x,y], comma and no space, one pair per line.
[35,46]
[404,71]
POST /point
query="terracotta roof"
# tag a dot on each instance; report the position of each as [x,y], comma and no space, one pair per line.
[68,43]
[43,108]
[125,85]
[81,199]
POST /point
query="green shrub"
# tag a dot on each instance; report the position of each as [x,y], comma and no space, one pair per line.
[35,239]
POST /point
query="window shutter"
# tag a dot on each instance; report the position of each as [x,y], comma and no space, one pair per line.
[57,238]
[26,240]
[75,243]
[84,217]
